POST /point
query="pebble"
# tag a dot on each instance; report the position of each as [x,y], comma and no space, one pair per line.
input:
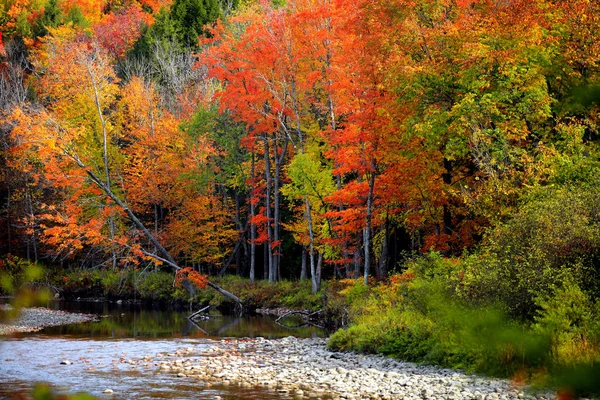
[302,368]
[37,318]
[108,391]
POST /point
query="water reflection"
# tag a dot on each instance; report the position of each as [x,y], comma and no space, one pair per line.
[135,321]
[126,331]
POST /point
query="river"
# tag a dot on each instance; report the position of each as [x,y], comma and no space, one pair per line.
[99,353]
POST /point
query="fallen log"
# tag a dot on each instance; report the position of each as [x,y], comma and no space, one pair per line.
[307,317]
[191,317]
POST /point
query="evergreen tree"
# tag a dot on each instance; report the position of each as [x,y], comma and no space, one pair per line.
[50,19]
[164,31]
[190,17]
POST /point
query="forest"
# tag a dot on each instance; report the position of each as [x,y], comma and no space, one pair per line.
[434,158]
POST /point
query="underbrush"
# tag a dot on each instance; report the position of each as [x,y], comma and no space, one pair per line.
[262,294]
[159,286]
[424,316]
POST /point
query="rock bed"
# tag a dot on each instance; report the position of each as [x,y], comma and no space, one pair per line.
[37,318]
[304,368]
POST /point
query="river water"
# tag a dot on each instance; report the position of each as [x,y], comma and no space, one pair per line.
[99,351]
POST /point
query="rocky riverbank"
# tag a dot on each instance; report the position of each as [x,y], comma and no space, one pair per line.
[305,368]
[37,318]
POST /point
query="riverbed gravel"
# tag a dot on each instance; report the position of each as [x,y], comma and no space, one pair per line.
[306,369]
[35,319]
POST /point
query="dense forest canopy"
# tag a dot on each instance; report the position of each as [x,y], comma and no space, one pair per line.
[304,138]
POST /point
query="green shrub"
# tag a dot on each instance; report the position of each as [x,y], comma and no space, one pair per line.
[157,286]
[555,237]
[416,317]
[572,320]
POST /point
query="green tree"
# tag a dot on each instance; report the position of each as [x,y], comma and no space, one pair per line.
[51,18]
[190,17]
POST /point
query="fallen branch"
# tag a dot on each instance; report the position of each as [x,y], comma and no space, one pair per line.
[191,317]
[307,317]
[166,256]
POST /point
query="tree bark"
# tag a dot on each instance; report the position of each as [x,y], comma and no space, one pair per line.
[368,227]
[279,158]
[252,229]
[111,220]
[383,259]
[269,243]
[303,271]
[313,273]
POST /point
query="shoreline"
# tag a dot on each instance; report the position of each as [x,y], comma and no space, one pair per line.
[34,319]
[295,368]
[305,368]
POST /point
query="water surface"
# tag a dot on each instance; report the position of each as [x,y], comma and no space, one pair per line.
[98,352]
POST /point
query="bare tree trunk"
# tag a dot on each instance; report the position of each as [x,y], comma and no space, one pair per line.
[8,230]
[368,227]
[31,217]
[356,262]
[111,221]
[319,267]
[265,262]
[240,233]
[269,244]
[313,272]
[383,259]
[276,204]
[252,230]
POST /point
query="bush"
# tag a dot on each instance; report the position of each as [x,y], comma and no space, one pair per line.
[572,321]
[554,238]
[158,286]
[416,317]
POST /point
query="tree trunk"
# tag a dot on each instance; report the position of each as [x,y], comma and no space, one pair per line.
[356,262]
[111,220]
[252,230]
[303,271]
[313,272]
[319,269]
[368,227]
[265,263]
[240,233]
[269,243]
[279,158]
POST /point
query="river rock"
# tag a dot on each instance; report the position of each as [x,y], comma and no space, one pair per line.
[303,368]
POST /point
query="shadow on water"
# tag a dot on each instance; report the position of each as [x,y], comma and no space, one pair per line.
[97,350]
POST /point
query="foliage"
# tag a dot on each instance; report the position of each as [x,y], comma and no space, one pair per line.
[419,316]
[15,272]
[262,294]
[554,238]
[571,319]
[351,132]
[418,321]
[182,24]
[193,276]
